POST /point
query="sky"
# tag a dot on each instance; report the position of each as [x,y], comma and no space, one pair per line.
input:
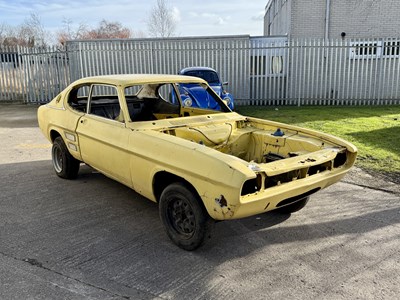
[194,17]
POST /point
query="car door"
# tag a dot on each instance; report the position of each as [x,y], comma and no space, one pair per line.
[103,136]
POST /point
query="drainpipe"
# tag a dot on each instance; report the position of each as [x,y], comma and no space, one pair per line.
[327,17]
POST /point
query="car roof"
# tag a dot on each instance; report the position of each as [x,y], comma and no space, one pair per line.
[132,79]
[196,69]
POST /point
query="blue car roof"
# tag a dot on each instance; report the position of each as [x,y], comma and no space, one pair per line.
[196,68]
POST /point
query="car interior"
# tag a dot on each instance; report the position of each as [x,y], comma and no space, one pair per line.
[145,103]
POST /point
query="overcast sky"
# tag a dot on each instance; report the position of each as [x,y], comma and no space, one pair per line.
[194,17]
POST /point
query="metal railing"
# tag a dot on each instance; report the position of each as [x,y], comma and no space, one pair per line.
[32,74]
[260,70]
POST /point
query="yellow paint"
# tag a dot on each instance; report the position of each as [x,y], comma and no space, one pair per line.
[217,153]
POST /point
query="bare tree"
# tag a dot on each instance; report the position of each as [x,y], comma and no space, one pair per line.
[7,36]
[33,31]
[3,33]
[139,34]
[105,30]
[109,30]
[29,34]
[14,36]
[69,33]
[161,21]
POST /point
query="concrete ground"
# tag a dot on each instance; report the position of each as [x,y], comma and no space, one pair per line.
[93,238]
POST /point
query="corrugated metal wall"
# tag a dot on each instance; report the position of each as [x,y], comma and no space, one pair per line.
[227,55]
[260,70]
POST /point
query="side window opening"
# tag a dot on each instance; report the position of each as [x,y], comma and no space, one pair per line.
[135,100]
[167,93]
[78,98]
[103,102]
[132,91]
[151,102]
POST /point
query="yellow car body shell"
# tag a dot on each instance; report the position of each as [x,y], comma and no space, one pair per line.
[216,153]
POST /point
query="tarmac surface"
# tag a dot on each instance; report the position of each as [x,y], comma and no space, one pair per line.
[93,238]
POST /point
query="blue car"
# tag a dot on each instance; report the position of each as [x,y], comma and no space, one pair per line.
[200,98]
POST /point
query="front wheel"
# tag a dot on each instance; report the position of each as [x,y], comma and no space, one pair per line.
[185,219]
[65,165]
[291,208]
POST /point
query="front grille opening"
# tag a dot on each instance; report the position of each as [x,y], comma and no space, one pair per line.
[252,185]
[297,174]
[297,198]
[283,178]
[340,159]
[320,168]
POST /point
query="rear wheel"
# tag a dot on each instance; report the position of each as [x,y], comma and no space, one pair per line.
[185,219]
[65,165]
[291,208]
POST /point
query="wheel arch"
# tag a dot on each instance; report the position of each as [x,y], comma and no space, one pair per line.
[54,134]
[162,179]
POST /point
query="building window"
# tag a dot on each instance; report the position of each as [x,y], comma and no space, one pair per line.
[367,49]
[375,49]
[276,64]
[258,65]
[391,49]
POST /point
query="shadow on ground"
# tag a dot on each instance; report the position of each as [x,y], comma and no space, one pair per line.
[101,233]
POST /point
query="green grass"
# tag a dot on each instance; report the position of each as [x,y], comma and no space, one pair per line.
[375,130]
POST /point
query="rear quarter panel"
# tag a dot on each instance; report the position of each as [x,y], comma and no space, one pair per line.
[55,119]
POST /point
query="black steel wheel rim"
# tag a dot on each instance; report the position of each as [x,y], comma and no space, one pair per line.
[181,217]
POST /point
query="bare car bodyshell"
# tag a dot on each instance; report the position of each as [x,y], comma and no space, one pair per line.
[235,165]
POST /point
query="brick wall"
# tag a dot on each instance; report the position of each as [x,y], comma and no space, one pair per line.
[357,18]
[365,18]
[308,18]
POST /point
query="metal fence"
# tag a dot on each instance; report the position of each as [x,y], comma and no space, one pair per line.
[260,70]
[32,74]
[164,56]
[338,72]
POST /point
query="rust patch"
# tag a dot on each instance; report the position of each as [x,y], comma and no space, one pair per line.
[307,160]
[221,201]
[222,207]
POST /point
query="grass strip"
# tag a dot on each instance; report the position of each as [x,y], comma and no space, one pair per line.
[375,130]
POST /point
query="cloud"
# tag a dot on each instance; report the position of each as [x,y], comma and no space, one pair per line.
[176,14]
[219,21]
[211,17]
[259,16]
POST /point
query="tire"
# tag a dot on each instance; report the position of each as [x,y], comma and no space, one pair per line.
[185,219]
[65,165]
[291,208]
